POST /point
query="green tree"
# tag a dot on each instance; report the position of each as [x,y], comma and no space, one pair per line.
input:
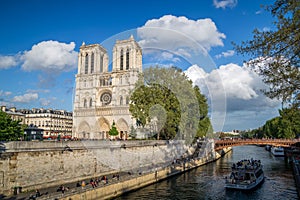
[132,133]
[275,53]
[168,95]
[145,99]
[10,130]
[204,125]
[113,131]
[289,125]
[271,128]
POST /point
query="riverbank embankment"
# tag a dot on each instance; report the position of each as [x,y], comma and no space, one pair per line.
[116,189]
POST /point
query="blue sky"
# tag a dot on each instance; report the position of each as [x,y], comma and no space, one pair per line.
[194,35]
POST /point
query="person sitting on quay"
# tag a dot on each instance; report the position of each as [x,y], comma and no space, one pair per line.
[116,176]
[78,184]
[37,193]
[97,181]
[93,183]
[82,184]
[62,189]
[104,179]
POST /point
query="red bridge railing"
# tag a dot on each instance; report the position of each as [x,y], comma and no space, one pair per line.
[220,144]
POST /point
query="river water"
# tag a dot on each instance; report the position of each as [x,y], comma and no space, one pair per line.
[207,182]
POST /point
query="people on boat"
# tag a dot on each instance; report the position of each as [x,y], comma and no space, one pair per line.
[246,164]
[239,169]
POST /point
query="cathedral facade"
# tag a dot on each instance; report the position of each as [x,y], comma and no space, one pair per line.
[102,96]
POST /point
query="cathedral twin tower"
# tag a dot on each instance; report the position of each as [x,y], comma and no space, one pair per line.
[102,97]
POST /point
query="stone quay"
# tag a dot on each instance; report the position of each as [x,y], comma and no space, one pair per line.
[27,166]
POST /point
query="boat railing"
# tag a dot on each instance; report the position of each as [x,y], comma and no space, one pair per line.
[239,181]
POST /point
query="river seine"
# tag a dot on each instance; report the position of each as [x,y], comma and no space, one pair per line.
[207,182]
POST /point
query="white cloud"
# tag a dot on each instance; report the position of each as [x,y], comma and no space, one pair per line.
[258,12]
[26,98]
[37,91]
[241,86]
[234,96]
[169,56]
[225,54]
[8,62]
[45,102]
[179,35]
[225,3]
[239,82]
[196,73]
[5,93]
[50,56]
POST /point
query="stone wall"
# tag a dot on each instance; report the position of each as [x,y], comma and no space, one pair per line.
[116,189]
[33,165]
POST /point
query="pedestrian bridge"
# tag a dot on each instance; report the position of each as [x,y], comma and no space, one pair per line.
[220,144]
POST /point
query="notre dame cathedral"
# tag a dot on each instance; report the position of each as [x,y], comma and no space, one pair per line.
[102,97]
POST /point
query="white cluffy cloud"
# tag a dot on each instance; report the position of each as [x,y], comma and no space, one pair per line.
[225,54]
[8,62]
[225,3]
[234,96]
[180,35]
[50,56]
[26,98]
[241,86]
[47,56]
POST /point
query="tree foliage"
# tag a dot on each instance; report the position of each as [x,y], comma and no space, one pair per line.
[146,97]
[287,125]
[275,53]
[10,130]
[204,125]
[113,131]
[167,95]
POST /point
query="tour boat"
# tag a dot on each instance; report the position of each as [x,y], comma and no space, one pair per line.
[277,151]
[245,175]
[268,147]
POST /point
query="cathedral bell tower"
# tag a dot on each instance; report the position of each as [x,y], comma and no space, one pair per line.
[102,97]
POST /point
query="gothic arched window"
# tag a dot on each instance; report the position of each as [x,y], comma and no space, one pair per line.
[127,100]
[121,59]
[84,103]
[92,63]
[86,65]
[101,63]
[121,100]
[91,102]
[127,59]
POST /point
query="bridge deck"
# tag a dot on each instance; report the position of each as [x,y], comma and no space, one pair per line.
[220,144]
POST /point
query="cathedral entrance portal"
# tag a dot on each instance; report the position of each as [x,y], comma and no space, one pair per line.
[123,128]
[104,128]
[84,130]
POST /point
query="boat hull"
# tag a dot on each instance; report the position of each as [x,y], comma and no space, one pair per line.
[277,151]
[246,186]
